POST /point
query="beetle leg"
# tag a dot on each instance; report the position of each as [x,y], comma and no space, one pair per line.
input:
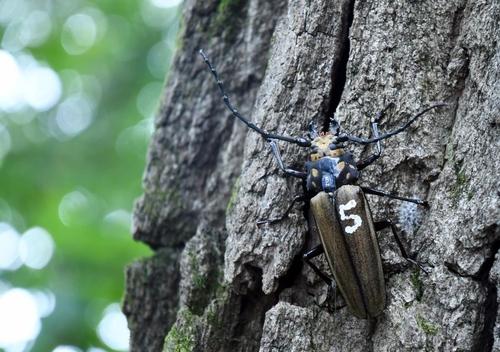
[375,134]
[380,225]
[314,253]
[360,165]
[277,156]
[377,192]
[296,199]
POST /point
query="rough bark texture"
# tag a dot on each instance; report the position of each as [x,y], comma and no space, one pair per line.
[219,282]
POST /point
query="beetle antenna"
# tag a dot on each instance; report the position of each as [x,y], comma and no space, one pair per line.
[359,140]
[296,140]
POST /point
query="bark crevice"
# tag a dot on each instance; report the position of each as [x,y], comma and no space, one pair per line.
[339,66]
[486,337]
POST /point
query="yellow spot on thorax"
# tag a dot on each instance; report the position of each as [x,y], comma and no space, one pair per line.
[322,144]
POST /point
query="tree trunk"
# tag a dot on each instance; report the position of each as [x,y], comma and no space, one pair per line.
[220,283]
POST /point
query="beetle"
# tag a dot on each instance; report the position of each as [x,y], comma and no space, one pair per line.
[338,206]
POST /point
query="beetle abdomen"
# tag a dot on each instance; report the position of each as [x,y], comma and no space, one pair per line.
[346,230]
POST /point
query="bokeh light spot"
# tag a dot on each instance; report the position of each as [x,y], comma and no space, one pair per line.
[9,244]
[36,248]
[24,81]
[95,349]
[35,29]
[10,99]
[10,216]
[10,37]
[45,301]
[19,319]
[147,99]
[64,348]
[5,213]
[159,13]
[41,88]
[158,59]
[133,140]
[113,329]
[4,286]
[72,206]
[74,115]
[119,218]
[11,9]
[5,141]
[79,34]
[165,3]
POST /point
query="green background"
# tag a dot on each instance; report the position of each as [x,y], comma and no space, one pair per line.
[122,74]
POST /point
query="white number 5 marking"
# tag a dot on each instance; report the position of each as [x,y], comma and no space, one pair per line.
[356,218]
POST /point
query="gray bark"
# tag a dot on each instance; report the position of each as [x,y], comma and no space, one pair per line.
[220,283]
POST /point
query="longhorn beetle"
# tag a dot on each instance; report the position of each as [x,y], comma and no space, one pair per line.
[338,206]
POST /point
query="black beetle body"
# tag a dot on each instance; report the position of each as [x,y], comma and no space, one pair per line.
[329,167]
[339,208]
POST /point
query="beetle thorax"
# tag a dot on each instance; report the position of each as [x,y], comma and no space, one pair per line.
[325,145]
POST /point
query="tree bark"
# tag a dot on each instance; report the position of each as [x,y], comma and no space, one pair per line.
[220,283]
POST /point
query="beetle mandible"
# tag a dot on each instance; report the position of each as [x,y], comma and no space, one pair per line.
[338,206]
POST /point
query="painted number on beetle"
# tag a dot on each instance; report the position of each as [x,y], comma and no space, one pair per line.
[356,218]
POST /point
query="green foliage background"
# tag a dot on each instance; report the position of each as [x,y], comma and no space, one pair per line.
[104,162]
